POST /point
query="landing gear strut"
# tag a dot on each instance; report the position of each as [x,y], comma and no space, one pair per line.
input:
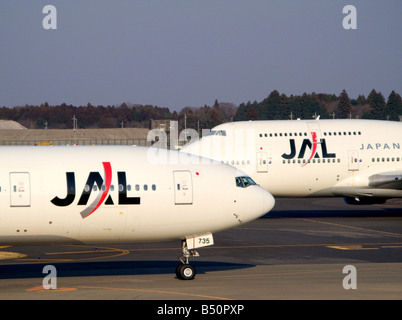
[184,270]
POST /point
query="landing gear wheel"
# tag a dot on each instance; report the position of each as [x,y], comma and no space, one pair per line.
[185,272]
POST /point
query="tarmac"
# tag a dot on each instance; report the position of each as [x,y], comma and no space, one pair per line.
[305,249]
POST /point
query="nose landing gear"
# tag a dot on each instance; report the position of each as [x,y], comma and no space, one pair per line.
[185,271]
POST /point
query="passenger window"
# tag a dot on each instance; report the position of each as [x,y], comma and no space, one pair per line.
[153,187]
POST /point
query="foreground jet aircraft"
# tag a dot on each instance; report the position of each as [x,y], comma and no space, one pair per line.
[64,195]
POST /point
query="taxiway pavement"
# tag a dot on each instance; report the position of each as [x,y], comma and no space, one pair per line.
[297,251]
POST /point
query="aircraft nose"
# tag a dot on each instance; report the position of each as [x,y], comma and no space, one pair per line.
[268,201]
[259,202]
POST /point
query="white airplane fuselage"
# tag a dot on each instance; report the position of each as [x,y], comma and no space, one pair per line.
[355,159]
[118,194]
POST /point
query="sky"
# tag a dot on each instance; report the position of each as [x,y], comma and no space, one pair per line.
[178,53]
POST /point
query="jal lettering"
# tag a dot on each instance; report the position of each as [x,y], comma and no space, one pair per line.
[95,182]
[307,144]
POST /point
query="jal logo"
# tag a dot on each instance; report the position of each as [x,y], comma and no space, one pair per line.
[310,144]
[104,184]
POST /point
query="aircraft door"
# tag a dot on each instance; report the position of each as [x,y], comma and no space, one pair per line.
[353,160]
[20,189]
[262,162]
[183,187]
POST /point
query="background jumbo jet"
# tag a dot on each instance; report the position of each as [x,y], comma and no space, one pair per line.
[122,194]
[360,160]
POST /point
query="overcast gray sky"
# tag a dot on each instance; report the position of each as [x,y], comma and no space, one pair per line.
[178,53]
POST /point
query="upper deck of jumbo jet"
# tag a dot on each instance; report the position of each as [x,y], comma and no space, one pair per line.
[329,127]
[367,134]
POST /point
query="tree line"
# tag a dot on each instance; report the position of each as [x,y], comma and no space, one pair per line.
[328,106]
[275,106]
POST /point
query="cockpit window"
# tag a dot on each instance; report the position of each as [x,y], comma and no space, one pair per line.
[244,182]
[216,133]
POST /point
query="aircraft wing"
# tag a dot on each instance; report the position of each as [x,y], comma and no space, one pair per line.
[381,186]
[387,180]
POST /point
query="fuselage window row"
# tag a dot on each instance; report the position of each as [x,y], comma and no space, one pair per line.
[300,161]
[305,134]
[236,162]
[393,159]
[120,187]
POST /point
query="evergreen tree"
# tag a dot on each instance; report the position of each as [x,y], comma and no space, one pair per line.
[393,109]
[344,109]
[377,105]
[361,100]
[252,114]
[241,113]
[274,107]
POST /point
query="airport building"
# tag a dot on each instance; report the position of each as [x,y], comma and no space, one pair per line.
[12,133]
